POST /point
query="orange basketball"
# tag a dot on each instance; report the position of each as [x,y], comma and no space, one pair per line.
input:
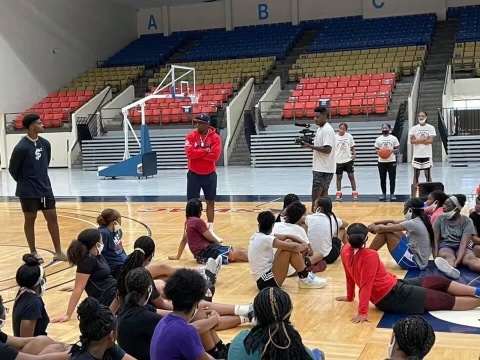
[384,153]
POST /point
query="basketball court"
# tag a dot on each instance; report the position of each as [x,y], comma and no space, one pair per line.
[155,207]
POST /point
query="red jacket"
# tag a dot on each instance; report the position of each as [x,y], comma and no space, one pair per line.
[365,270]
[203,151]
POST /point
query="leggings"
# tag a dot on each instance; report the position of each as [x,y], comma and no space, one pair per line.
[391,169]
[418,295]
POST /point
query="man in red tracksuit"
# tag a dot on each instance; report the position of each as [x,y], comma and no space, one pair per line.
[203,147]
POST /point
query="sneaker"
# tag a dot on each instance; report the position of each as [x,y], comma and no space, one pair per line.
[251,313]
[312,282]
[446,268]
[338,197]
[355,196]
[393,198]
[382,198]
[212,268]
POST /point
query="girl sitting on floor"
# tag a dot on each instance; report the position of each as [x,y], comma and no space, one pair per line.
[201,242]
[475,216]
[29,315]
[274,336]
[434,203]
[408,296]
[110,226]
[412,249]
[287,200]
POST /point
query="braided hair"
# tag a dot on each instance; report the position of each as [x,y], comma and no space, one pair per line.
[326,205]
[144,248]
[137,282]
[290,198]
[274,336]
[265,220]
[416,205]
[414,336]
[96,323]
[194,208]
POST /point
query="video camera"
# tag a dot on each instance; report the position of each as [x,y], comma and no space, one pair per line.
[307,135]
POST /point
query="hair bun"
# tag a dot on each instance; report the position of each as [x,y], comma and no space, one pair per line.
[89,309]
[357,228]
[30,260]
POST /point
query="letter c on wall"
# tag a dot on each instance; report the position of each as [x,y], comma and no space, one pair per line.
[263,12]
[377,5]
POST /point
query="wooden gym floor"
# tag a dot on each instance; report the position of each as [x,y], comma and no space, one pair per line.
[322,322]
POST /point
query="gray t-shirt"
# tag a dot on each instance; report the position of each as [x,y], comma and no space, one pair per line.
[419,241]
[451,232]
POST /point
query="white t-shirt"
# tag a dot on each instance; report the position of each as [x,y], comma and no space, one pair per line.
[344,145]
[390,142]
[280,228]
[422,132]
[260,254]
[319,232]
[325,163]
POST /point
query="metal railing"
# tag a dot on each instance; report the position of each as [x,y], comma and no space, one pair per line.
[13,126]
[442,130]
[461,121]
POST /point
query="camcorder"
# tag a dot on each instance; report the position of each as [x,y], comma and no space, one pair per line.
[306,135]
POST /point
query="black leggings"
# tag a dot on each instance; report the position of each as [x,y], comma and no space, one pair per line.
[391,169]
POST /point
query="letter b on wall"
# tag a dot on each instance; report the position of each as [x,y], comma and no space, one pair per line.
[263,11]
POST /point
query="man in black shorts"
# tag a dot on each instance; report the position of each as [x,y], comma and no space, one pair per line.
[29,168]
[203,147]
[324,165]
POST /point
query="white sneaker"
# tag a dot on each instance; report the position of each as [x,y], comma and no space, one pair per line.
[446,268]
[312,282]
[212,268]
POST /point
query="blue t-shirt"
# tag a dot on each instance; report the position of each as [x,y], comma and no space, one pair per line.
[113,251]
[237,350]
[175,339]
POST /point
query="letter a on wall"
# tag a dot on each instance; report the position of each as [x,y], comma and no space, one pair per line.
[263,12]
[152,24]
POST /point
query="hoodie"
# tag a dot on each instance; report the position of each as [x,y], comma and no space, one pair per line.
[203,151]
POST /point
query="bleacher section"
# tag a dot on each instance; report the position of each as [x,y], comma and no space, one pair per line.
[247,41]
[148,50]
[54,110]
[401,60]
[466,56]
[234,71]
[354,32]
[118,78]
[169,110]
[349,95]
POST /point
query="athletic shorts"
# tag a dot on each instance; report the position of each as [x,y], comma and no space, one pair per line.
[207,183]
[321,180]
[422,163]
[403,255]
[212,251]
[347,167]
[266,280]
[33,205]
[335,252]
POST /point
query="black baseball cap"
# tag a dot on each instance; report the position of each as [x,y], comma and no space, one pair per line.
[204,118]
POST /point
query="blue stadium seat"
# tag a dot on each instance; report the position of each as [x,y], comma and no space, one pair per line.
[148,50]
[354,32]
[468,22]
[246,41]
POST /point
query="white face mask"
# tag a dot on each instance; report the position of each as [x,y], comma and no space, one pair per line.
[450,214]
[43,288]
[422,121]
[116,227]
[150,290]
[2,323]
[390,347]
[100,248]
[408,215]
[433,206]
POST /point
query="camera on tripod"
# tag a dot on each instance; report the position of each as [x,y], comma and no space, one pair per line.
[307,135]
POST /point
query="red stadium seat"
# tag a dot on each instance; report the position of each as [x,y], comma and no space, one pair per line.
[344,107]
[166,115]
[310,106]
[299,109]
[368,105]
[381,105]
[356,106]
[288,110]
[334,107]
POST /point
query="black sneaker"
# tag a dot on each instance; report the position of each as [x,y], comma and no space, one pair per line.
[382,198]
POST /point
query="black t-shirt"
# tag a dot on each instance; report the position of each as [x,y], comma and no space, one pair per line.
[29,168]
[136,325]
[7,352]
[114,353]
[30,307]
[100,280]
[476,221]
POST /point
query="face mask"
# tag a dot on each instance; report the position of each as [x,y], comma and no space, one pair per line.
[100,248]
[2,323]
[408,215]
[385,132]
[450,214]
[390,347]
[116,227]
[43,287]
[422,121]
[150,290]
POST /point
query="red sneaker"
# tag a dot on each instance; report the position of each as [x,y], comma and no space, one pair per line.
[338,196]
[318,267]
[355,196]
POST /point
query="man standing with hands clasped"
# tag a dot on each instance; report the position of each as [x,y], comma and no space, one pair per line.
[203,147]
[324,165]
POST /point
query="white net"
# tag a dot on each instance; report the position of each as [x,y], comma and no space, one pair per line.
[194,97]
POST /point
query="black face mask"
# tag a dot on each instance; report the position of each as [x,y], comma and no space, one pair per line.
[385,132]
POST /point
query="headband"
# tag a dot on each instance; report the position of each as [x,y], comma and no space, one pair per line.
[456,202]
[42,274]
[141,250]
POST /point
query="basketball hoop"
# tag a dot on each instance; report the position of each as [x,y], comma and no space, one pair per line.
[194,97]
